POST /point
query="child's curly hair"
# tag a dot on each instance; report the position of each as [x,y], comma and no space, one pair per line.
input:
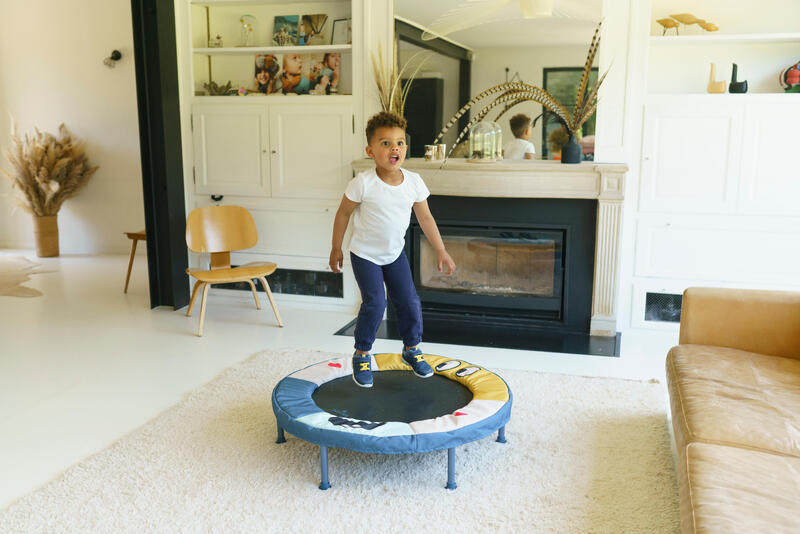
[384,118]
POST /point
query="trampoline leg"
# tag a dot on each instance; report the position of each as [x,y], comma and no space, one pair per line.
[281,437]
[501,435]
[451,469]
[323,460]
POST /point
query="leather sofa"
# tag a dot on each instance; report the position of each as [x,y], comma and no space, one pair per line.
[734,389]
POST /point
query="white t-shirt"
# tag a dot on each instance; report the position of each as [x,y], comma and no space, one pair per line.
[517,148]
[383,215]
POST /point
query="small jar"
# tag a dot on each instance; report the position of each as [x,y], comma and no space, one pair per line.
[430,152]
[441,151]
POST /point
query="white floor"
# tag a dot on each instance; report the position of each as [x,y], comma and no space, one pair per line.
[85,364]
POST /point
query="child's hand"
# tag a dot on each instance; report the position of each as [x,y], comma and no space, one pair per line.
[335,262]
[446,260]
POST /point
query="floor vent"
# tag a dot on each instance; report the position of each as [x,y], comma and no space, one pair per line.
[663,307]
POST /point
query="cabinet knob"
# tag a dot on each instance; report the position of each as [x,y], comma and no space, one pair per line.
[274,151]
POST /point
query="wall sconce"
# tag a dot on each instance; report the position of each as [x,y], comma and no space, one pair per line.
[111,61]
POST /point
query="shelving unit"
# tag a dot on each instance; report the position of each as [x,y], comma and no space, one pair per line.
[717,38]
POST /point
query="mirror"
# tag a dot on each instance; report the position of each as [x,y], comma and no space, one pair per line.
[546,52]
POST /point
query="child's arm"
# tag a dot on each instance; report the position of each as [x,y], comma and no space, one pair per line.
[428,225]
[339,228]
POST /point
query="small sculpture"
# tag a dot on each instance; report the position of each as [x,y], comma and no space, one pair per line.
[667,24]
[686,18]
[217,90]
[708,26]
[789,78]
[737,87]
[713,85]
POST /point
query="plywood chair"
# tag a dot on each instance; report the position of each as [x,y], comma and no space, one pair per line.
[219,230]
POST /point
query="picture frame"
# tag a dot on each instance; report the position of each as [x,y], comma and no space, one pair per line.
[342,31]
[561,83]
[311,30]
[284,30]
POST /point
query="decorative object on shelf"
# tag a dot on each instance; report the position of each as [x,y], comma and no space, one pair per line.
[482,143]
[687,18]
[324,74]
[284,30]
[215,42]
[562,84]
[441,151]
[715,86]
[668,23]
[111,60]
[735,86]
[509,94]
[311,30]
[789,78]
[266,73]
[342,31]
[218,90]
[47,170]
[242,91]
[292,79]
[498,141]
[572,151]
[392,92]
[247,30]
[708,26]
[430,152]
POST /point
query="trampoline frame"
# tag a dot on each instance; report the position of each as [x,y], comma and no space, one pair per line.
[297,413]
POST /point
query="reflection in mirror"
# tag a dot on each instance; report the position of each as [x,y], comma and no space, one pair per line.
[509,47]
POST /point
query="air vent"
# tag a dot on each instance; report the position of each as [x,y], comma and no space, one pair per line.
[298,282]
[663,307]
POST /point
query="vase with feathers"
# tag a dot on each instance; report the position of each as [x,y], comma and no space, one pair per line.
[45,171]
[510,94]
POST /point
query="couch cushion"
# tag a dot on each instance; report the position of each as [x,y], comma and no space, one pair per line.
[733,397]
[739,490]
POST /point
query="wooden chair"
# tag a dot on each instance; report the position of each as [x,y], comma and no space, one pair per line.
[219,230]
[135,237]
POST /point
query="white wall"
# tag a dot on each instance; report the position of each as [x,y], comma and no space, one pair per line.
[488,69]
[51,71]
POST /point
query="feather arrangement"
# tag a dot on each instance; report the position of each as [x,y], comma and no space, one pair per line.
[392,93]
[47,170]
[510,94]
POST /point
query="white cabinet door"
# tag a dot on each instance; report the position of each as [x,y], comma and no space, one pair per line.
[770,174]
[690,155]
[230,149]
[311,149]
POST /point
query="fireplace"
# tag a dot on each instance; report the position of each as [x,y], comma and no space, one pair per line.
[524,262]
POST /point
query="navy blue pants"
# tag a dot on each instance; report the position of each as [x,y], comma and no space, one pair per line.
[400,286]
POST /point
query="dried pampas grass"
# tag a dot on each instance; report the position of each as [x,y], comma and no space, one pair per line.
[47,170]
[392,93]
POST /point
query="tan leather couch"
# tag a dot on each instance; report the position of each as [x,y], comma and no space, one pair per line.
[734,388]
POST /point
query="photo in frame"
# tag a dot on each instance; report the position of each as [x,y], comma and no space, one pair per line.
[562,83]
[342,31]
[284,30]
[266,73]
[311,30]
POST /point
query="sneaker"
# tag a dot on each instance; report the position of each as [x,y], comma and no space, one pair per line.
[362,370]
[416,360]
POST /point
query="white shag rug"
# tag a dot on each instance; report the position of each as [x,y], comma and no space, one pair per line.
[15,271]
[583,455]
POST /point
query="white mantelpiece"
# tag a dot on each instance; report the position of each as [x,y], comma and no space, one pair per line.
[545,179]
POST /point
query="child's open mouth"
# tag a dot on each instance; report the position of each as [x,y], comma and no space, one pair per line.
[394,159]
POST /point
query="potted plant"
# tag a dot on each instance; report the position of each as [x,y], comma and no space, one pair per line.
[45,171]
[509,94]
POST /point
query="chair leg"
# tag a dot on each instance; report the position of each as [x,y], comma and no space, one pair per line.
[130,264]
[255,294]
[271,300]
[196,287]
[203,309]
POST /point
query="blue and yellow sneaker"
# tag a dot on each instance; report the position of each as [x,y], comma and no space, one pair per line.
[362,370]
[416,360]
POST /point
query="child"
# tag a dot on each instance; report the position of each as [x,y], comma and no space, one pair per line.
[381,200]
[266,70]
[325,74]
[521,147]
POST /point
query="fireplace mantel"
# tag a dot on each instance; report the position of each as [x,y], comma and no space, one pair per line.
[545,179]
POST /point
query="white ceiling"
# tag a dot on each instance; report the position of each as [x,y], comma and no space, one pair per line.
[573,23]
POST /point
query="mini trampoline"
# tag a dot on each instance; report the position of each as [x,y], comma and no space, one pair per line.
[400,414]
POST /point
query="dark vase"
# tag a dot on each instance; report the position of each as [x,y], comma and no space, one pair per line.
[736,86]
[571,152]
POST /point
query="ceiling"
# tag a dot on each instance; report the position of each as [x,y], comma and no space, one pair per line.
[573,22]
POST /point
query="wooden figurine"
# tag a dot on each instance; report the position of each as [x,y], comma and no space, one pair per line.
[713,85]
[667,24]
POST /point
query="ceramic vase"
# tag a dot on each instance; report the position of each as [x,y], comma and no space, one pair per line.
[571,152]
